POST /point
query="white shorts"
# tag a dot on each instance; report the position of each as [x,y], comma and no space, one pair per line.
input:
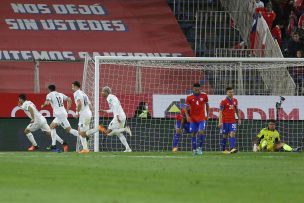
[42,125]
[63,121]
[116,125]
[84,123]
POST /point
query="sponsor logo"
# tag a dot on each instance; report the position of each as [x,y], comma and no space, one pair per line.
[250,107]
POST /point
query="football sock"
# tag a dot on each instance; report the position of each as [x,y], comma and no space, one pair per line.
[31,138]
[74,132]
[193,143]
[255,148]
[91,131]
[175,140]
[53,136]
[224,142]
[232,142]
[117,131]
[287,148]
[123,140]
[201,139]
[59,139]
[84,142]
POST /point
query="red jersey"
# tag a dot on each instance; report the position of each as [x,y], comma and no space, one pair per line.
[269,18]
[197,105]
[277,34]
[182,116]
[301,21]
[228,107]
[260,9]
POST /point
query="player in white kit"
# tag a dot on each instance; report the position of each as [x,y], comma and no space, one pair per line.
[38,122]
[117,125]
[83,111]
[56,100]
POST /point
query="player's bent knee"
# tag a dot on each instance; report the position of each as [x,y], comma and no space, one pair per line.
[278,145]
[68,129]
[201,132]
[26,131]
[178,131]
[232,134]
[53,125]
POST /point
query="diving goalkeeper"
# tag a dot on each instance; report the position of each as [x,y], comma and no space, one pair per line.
[269,140]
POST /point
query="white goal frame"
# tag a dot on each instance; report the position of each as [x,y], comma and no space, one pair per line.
[99,60]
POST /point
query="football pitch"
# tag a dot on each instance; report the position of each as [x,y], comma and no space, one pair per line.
[151,177]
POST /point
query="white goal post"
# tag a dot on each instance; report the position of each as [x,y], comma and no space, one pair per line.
[153,77]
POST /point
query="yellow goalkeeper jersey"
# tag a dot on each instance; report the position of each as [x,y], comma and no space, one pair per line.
[269,135]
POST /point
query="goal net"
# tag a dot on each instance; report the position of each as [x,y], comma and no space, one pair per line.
[162,84]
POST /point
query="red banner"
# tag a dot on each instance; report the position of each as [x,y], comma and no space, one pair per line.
[9,104]
[70,29]
[67,29]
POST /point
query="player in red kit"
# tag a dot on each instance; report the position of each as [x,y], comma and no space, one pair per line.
[227,121]
[198,105]
[181,126]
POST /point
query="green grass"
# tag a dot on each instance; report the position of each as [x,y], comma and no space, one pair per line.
[151,177]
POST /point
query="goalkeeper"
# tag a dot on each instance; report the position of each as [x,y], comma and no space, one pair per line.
[269,140]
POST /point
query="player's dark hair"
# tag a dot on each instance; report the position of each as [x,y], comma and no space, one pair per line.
[22,97]
[272,121]
[76,83]
[196,85]
[229,88]
[52,88]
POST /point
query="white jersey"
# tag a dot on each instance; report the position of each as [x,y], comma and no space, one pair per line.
[56,99]
[38,117]
[115,107]
[85,102]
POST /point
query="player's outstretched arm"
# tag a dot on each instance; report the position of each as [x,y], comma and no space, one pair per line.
[69,103]
[207,110]
[45,104]
[238,115]
[32,114]
[220,122]
[106,111]
[78,106]
[187,114]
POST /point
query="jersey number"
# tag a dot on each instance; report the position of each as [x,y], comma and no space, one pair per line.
[60,102]
[85,101]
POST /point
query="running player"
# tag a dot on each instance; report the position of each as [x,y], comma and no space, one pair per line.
[227,121]
[117,125]
[198,105]
[37,121]
[181,126]
[56,100]
[83,111]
